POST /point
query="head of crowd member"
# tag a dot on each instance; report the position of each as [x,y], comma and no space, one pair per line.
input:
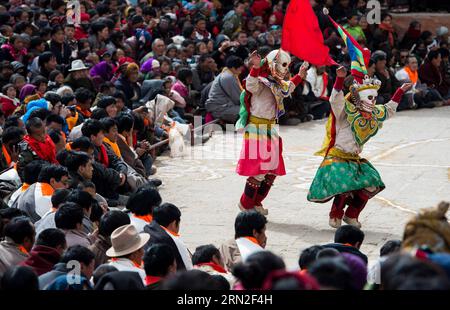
[82,199]
[353,19]
[6,215]
[83,256]
[69,31]
[83,144]
[185,76]
[158,48]
[434,57]
[57,34]
[47,61]
[404,272]
[309,256]
[21,278]
[11,137]
[207,63]
[386,19]
[327,253]
[18,82]
[69,216]
[78,70]
[120,100]
[256,268]
[55,122]
[36,129]
[251,224]
[125,124]
[58,139]
[391,247]
[6,70]
[9,91]
[80,163]
[207,254]
[172,51]
[55,175]
[143,201]
[239,7]
[371,68]
[412,63]
[32,170]
[93,130]
[110,221]
[168,216]
[59,197]
[128,243]
[380,60]
[193,280]
[235,65]
[52,238]
[159,261]
[88,187]
[110,129]
[21,231]
[100,30]
[348,234]
[109,104]
[83,97]
[332,273]
[242,38]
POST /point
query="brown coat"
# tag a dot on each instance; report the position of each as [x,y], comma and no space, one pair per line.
[230,254]
[129,157]
[429,227]
[99,248]
[10,255]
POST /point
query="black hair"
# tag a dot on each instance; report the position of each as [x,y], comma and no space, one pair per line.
[40,113]
[78,253]
[205,254]
[246,222]
[332,272]
[256,268]
[99,113]
[75,160]
[33,122]
[191,280]
[52,171]
[112,220]
[390,247]
[144,200]
[81,198]
[433,55]
[108,123]
[56,28]
[157,260]
[44,58]
[19,278]
[18,229]
[234,62]
[327,252]
[187,31]
[52,238]
[97,27]
[53,97]
[83,94]
[125,122]
[12,135]
[101,270]
[55,135]
[67,98]
[348,234]
[183,74]
[59,196]
[54,118]
[83,144]
[11,121]
[118,94]
[166,214]
[106,101]
[404,272]
[32,170]
[308,256]
[96,212]
[91,127]
[68,216]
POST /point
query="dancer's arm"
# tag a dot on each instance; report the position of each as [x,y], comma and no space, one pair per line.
[252,83]
[391,106]
[337,95]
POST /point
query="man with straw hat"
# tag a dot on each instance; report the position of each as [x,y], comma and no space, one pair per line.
[127,249]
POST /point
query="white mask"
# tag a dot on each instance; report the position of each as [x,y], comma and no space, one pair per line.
[279,61]
[367,100]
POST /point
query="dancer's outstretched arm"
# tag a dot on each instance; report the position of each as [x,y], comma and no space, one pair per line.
[337,95]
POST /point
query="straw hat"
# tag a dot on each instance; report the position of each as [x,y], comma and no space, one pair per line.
[126,240]
[77,65]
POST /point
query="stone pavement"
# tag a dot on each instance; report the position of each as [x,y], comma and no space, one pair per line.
[411,152]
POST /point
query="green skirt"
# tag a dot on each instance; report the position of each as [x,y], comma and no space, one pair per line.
[338,176]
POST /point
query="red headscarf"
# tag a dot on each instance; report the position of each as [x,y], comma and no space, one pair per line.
[45,150]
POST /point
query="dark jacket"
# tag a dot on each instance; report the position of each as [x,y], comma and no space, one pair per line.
[434,78]
[114,162]
[129,157]
[132,91]
[99,248]
[121,280]
[159,235]
[62,52]
[106,180]
[42,259]
[388,86]
[347,249]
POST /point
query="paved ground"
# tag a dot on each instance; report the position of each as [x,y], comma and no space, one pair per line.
[411,152]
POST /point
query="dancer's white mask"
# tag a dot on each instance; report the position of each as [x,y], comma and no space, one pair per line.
[279,61]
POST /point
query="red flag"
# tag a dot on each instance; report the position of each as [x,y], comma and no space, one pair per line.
[302,36]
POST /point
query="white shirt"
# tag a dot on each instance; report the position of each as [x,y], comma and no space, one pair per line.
[124,264]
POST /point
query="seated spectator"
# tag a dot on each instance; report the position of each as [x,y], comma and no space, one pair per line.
[308,257]
[47,251]
[19,239]
[420,94]
[36,200]
[388,81]
[86,201]
[69,218]
[348,239]
[204,73]
[79,77]
[353,26]
[108,103]
[128,84]
[127,249]
[159,264]
[391,247]
[430,73]
[48,219]
[120,280]
[79,166]
[194,280]
[252,273]
[35,145]
[385,37]
[207,258]
[8,100]
[19,278]
[181,87]
[102,270]
[224,97]
[249,237]
[165,229]
[141,205]
[77,253]
[10,139]
[111,134]
[332,273]
[109,222]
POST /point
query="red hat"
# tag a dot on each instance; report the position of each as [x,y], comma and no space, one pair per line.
[85,17]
